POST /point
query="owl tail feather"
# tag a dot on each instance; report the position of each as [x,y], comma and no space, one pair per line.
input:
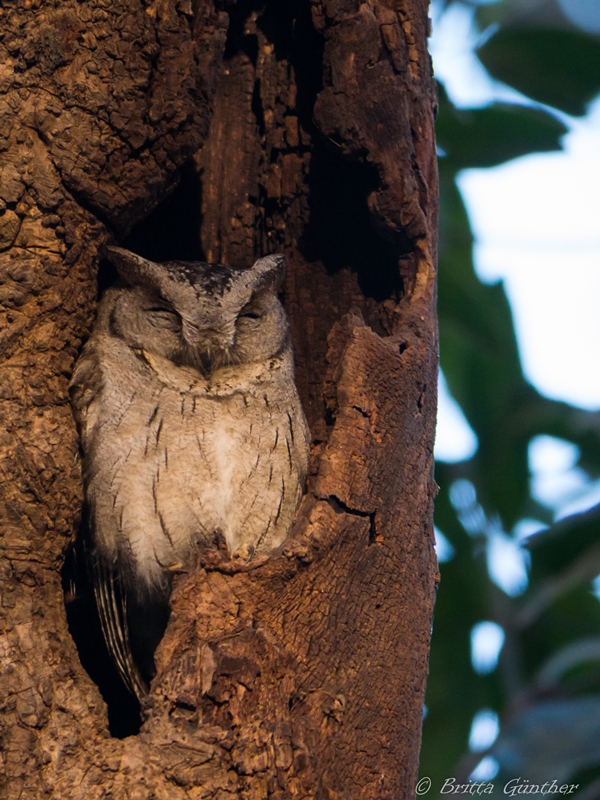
[111,602]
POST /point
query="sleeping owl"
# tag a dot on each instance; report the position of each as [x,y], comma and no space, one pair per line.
[191,429]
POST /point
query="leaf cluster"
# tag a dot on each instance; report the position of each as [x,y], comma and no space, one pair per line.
[546,686]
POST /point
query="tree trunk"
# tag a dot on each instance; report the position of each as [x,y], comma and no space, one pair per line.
[292,126]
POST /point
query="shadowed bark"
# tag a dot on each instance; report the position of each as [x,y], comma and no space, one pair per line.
[225,131]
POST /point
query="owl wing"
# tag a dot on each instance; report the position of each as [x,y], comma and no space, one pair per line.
[85,389]
[111,602]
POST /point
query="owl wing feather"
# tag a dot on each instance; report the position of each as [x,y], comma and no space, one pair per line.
[86,390]
[111,602]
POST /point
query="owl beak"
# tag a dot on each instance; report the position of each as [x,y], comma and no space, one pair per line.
[207,363]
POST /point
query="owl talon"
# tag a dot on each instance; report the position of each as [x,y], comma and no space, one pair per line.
[220,541]
[246,551]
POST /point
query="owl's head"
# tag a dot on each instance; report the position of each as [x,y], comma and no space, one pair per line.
[200,315]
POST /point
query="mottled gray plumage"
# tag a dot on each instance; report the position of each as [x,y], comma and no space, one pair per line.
[191,429]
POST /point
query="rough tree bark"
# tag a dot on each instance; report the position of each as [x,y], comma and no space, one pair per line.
[303,126]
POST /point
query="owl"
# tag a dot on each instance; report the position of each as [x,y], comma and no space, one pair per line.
[192,433]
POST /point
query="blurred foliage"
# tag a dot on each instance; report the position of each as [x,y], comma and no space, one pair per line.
[546,686]
[559,68]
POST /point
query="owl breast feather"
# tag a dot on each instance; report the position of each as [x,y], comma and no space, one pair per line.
[199,464]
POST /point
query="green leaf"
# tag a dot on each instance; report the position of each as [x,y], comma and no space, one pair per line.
[486,137]
[568,540]
[551,740]
[573,424]
[565,659]
[560,68]
[581,571]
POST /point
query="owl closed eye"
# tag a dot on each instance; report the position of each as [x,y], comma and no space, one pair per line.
[163,317]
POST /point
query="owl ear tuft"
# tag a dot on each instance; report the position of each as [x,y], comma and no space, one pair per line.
[134,269]
[269,272]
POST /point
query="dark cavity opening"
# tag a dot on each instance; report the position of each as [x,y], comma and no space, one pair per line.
[340,230]
[172,231]
[238,40]
[289,27]
[124,717]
